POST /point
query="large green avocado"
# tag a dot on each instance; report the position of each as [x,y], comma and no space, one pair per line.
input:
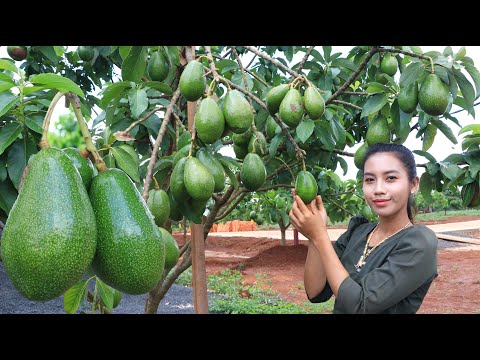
[209,121]
[172,251]
[378,131]
[175,213]
[214,166]
[177,181]
[314,103]
[130,250]
[86,53]
[198,180]
[158,66]
[192,81]
[237,111]
[159,205]
[306,187]
[271,127]
[253,173]
[243,138]
[260,144]
[433,95]
[389,64]
[50,236]
[275,97]
[84,166]
[291,108]
[360,154]
[408,97]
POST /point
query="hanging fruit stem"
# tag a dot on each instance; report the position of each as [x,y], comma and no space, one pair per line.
[288,168]
[431,64]
[75,101]
[46,121]
[211,87]
[192,140]
[303,164]
[157,187]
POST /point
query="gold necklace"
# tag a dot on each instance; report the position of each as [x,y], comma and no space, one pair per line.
[367,252]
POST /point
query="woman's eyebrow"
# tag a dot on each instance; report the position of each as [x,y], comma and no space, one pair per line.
[384,173]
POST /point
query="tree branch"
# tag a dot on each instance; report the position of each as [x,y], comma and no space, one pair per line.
[346,104]
[272,60]
[132,125]
[158,141]
[229,210]
[304,60]
[275,187]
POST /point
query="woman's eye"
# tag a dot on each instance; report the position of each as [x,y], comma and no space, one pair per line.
[391,177]
[368,180]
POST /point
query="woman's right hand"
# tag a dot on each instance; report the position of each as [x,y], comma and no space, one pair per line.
[311,219]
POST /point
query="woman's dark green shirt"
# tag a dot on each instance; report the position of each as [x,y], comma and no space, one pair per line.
[395,277]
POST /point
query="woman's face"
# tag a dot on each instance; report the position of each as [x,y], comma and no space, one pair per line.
[386,185]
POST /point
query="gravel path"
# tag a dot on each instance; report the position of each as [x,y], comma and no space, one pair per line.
[178,300]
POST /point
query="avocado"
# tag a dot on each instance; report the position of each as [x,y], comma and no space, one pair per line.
[260,144]
[198,180]
[314,103]
[380,78]
[253,173]
[408,97]
[237,111]
[50,236]
[182,152]
[17,53]
[275,97]
[184,139]
[243,138]
[84,166]
[378,131]
[175,213]
[209,121]
[172,252]
[271,127]
[214,166]
[86,53]
[433,95]
[368,213]
[177,182]
[130,250]
[360,154]
[240,151]
[291,108]
[306,187]
[192,81]
[389,64]
[158,66]
[159,205]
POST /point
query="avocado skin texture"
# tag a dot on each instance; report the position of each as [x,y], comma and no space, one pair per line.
[158,66]
[177,182]
[314,103]
[130,250]
[243,138]
[215,168]
[275,96]
[389,64]
[84,166]
[175,213]
[86,53]
[192,81]
[172,251]
[306,187]
[378,131]
[209,121]
[260,144]
[291,108]
[360,154]
[159,205]
[240,151]
[237,112]
[408,98]
[433,95]
[271,127]
[50,236]
[198,180]
[253,173]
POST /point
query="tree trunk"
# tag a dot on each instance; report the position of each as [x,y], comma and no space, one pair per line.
[283,228]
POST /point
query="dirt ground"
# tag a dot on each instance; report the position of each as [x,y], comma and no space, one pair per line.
[456,290]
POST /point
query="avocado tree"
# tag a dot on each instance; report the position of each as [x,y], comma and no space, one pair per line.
[283,117]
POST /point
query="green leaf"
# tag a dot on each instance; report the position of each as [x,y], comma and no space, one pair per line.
[34,123]
[54,81]
[238,80]
[5,85]
[138,102]
[134,64]
[341,62]
[412,73]
[427,184]
[469,193]
[106,294]
[226,65]
[375,87]
[8,65]
[162,163]
[343,165]
[327,50]
[31,89]
[73,296]
[453,85]
[126,162]
[455,158]
[472,127]
[429,137]
[338,131]
[444,129]
[466,88]
[8,134]
[109,160]
[323,131]
[8,195]
[3,169]
[305,129]
[475,74]
[124,51]
[50,54]
[317,56]
[275,143]
[432,168]
[160,86]
[18,156]
[131,150]
[460,54]
[5,78]
[374,104]
[451,171]
[7,101]
[226,166]
[113,91]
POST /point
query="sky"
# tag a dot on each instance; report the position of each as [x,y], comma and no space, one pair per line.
[441,148]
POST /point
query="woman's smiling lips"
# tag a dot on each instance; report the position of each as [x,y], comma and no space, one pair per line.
[381,202]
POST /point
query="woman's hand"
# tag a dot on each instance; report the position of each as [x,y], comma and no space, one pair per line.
[310,220]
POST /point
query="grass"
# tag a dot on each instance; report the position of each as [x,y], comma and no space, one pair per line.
[233,296]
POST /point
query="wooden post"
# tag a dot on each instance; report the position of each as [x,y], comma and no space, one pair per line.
[199,274]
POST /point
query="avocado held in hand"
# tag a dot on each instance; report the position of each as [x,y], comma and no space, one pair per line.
[306,187]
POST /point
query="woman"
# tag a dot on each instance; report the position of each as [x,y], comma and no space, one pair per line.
[385,267]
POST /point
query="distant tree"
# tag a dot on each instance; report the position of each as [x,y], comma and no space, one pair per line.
[67,132]
[440,201]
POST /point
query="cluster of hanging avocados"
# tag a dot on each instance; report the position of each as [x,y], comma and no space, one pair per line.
[69,219]
[432,97]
